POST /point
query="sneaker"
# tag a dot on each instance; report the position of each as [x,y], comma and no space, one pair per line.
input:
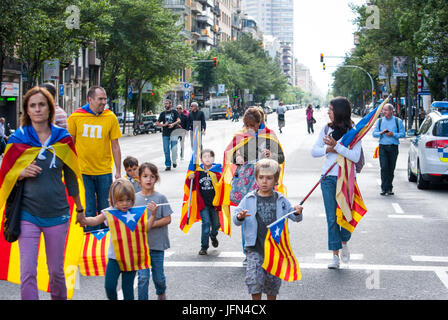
[245,262]
[215,243]
[345,253]
[203,252]
[390,193]
[383,193]
[335,263]
[174,165]
[167,168]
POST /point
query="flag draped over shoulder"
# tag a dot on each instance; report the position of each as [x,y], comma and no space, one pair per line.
[351,206]
[94,259]
[22,149]
[128,231]
[239,141]
[193,202]
[279,260]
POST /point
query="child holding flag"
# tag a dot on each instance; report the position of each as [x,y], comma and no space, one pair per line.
[158,237]
[206,179]
[258,210]
[128,249]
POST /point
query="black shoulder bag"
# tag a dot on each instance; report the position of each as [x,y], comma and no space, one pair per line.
[11,230]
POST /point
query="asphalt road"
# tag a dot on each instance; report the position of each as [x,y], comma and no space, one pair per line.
[399,249]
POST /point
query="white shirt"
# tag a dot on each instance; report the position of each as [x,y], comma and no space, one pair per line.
[319,150]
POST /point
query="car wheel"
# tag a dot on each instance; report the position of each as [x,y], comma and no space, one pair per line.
[411,176]
[135,132]
[421,184]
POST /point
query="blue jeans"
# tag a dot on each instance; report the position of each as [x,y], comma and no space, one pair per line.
[158,276]
[336,234]
[97,194]
[169,149]
[111,280]
[210,225]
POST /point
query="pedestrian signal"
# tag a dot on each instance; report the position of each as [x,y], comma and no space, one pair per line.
[215,61]
[321,57]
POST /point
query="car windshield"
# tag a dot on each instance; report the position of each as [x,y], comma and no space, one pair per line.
[441,128]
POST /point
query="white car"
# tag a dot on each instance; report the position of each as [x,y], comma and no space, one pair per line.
[428,154]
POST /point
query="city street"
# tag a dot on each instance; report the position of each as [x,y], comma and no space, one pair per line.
[398,251]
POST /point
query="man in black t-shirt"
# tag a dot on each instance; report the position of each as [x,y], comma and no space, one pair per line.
[168,120]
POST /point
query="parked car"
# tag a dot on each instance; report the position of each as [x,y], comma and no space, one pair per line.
[129,117]
[151,121]
[428,154]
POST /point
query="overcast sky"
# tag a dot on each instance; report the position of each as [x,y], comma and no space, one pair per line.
[323,26]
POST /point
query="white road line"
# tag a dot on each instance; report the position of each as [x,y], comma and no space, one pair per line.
[369,165]
[397,208]
[429,259]
[405,216]
[232,254]
[443,276]
[378,181]
[329,256]
[224,264]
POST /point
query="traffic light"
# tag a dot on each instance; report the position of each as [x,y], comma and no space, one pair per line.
[215,61]
[324,66]
[321,57]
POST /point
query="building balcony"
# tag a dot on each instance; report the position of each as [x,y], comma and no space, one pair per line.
[195,7]
[206,19]
[209,3]
[175,4]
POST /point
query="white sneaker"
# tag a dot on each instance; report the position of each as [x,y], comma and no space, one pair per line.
[345,253]
[335,263]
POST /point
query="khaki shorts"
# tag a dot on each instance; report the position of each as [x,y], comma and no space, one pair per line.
[259,280]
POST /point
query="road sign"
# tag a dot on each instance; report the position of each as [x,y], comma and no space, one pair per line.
[130,93]
[61,89]
[187,95]
[186,85]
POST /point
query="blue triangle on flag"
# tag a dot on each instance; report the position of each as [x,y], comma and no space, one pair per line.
[277,230]
[99,234]
[129,218]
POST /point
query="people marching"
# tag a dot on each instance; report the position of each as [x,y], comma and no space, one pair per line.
[81,159]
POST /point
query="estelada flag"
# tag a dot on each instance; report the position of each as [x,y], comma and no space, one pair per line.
[128,231]
[94,259]
[351,208]
[193,202]
[279,259]
[196,202]
[242,140]
[22,149]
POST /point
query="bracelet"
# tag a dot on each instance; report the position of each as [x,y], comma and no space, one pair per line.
[79,210]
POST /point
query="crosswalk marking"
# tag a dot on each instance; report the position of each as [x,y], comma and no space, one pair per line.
[397,208]
[405,216]
[443,276]
[429,259]
[232,254]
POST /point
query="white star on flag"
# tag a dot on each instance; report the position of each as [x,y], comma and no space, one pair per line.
[129,217]
[277,232]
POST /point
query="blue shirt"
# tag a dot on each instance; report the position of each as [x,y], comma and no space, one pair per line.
[391,125]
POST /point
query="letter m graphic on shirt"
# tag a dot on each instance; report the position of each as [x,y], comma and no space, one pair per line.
[92,129]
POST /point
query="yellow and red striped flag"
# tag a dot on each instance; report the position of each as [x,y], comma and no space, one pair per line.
[94,253]
[128,231]
[351,208]
[279,259]
[22,149]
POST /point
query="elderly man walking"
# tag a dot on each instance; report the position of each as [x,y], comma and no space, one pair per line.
[389,130]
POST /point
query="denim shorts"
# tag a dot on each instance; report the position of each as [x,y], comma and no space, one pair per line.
[259,280]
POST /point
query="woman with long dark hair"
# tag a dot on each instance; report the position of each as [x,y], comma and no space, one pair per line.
[327,145]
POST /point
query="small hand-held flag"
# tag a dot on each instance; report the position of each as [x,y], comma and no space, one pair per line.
[94,253]
[279,260]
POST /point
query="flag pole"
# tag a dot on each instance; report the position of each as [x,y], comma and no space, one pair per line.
[195,146]
[189,200]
